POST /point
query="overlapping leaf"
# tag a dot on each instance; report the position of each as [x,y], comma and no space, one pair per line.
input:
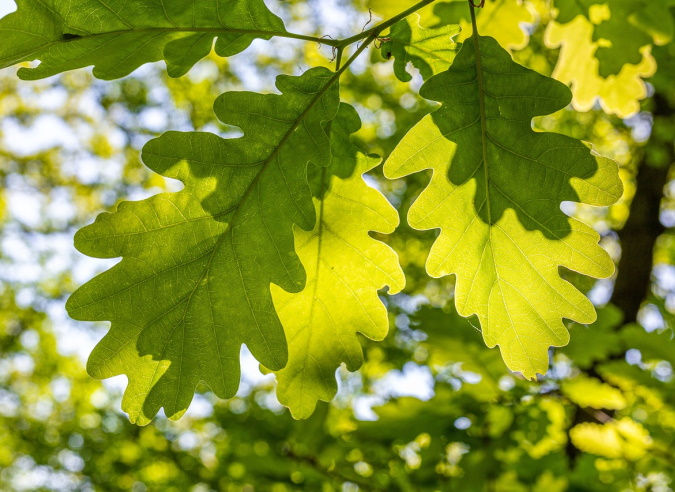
[194,281]
[118,36]
[495,195]
[615,79]
[431,51]
[622,27]
[345,269]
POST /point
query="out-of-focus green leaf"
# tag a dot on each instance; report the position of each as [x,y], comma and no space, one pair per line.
[652,345]
[345,268]
[117,36]
[590,392]
[635,379]
[495,194]
[431,51]
[548,435]
[584,347]
[505,20]
[623,438]
[194,281]
[389,8]
[405,418]
[451,339]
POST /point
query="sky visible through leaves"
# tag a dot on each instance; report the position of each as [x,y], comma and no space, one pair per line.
[429,405]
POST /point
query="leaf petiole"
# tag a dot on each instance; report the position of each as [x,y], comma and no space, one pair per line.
[379,28]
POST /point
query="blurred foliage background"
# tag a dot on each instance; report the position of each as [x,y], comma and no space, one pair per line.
[432,409]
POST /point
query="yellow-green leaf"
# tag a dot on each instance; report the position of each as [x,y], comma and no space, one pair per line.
[621,27]
[495,195]
[194,281]
[623,438]
[505,20]
[593,393]
[579,68]
[345,268]
[431,50]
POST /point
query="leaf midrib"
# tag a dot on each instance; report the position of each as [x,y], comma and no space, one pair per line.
[484,141]
[298,121]
[483,122]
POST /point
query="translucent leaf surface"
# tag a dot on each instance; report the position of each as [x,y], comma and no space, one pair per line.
[621,27]
[593,393]
[389,8]
[505,20]
[495,195]
[194,281]
[578,67]
[431,51]
[623,438]
[117,36]
[345,269]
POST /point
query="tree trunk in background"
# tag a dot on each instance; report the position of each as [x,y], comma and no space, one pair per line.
[643,226]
